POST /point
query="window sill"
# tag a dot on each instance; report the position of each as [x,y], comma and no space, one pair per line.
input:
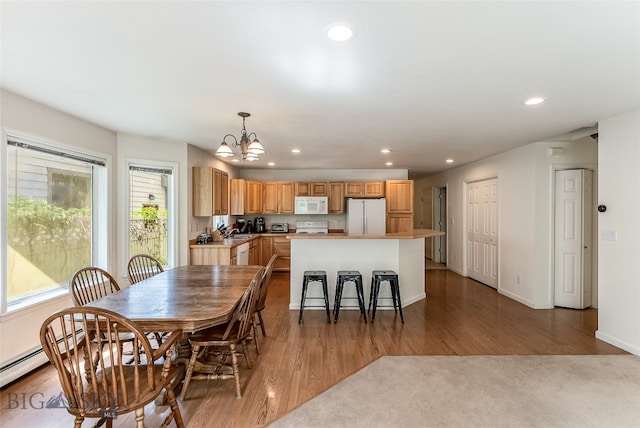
[16,308]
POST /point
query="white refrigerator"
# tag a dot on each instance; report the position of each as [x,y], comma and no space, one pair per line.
[366,216]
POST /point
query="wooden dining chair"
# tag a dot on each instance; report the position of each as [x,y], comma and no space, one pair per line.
[143,266]
[106,387]
[90,284]
[224,339]
[261,302]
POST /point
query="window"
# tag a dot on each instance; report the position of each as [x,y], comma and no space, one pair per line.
[52,221]
[151,212]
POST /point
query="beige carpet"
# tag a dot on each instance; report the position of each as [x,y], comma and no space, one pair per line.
[481,391]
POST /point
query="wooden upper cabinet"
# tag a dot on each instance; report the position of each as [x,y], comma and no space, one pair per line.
[246,197]
[302,188]
[202,191]
[319,188]
[336,198]
[287,197]
[210,192]
[270,197]
[253,198]
[374,189]
[237,196]
[399,194]
[364,189]
[277,197]
[220,192]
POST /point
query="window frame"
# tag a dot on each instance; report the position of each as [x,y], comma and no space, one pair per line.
[99,221]
[172,207]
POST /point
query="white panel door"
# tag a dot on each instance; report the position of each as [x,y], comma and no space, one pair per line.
[482,231]
[572,243]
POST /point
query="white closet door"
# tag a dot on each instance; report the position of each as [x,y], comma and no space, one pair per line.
[482,231]
[572,243]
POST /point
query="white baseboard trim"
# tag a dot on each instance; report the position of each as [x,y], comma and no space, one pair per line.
[617,343]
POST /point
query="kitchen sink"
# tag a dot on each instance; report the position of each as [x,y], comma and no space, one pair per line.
[241,236]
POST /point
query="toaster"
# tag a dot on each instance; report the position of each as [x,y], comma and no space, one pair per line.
[280,228]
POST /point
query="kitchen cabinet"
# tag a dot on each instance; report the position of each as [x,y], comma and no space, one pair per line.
[203,255]
[253,203]
[336,198]
[224,254]
[364,189]
[399,195]
[277,197]
[210,192]
[280,246]
[221,197]
[254,252]
[319,188]
[246,197]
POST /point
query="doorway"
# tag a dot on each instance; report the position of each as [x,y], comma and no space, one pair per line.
[482,231]
[440,224]
[573,241]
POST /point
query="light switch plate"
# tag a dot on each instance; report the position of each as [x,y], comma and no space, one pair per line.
[609,235]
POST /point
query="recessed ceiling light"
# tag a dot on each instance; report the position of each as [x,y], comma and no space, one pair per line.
[385,151]
[449,160]
[235,160]
[389,163]
[340,32]
[295,151]
[533,101]
[271,163]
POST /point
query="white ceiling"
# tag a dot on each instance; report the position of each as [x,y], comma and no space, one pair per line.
[428,80]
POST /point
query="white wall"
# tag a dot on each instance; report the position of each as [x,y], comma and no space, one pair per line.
[19,331]
[618,184]
[525,183]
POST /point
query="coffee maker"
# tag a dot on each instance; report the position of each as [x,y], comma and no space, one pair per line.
[259,225]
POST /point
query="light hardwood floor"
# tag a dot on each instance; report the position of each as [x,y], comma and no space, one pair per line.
[459,317]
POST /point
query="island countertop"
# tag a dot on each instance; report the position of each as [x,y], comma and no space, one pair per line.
[415,233]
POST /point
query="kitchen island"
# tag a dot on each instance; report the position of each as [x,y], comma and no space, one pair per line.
[400,252]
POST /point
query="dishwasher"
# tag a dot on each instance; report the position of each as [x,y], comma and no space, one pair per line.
[242,254]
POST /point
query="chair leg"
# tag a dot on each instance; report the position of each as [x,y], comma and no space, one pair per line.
[236,372]
[140,417]
[192,364]
[264,333]
[78,422]
[245,350]
[255,333]
[175,409]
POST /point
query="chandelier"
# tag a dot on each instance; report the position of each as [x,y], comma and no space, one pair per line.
[250,150]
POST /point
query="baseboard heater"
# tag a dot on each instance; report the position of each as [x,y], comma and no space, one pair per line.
[22,365]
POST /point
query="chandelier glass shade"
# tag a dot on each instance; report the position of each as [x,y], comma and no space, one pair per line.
[250,147]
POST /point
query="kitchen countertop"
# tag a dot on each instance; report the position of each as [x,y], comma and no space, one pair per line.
[230,243]
[415,233]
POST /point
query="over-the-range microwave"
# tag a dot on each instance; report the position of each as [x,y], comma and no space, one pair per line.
[312,205]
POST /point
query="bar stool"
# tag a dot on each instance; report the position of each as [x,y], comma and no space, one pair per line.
[349,276]
[377,277]
[315,276]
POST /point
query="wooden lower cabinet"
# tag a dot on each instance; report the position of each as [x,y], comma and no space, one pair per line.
[280,246]
[212,256]
[254,252]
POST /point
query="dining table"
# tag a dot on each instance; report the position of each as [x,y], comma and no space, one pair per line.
[187,298]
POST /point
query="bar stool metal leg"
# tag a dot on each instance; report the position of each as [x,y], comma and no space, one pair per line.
[356,278]
[315,276]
